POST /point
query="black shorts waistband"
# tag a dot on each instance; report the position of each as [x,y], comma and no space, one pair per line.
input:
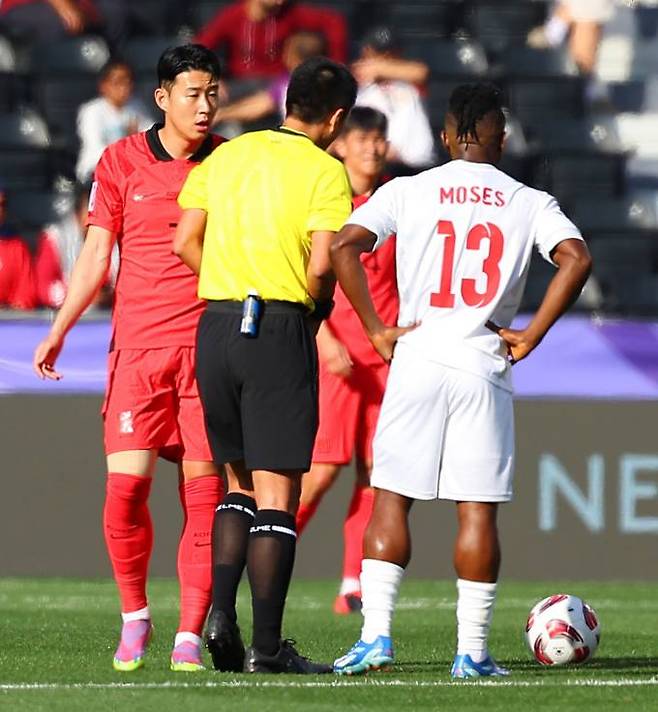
[229,306]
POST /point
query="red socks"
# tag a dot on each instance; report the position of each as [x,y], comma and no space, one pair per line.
[199,498]
[354,528]
[304,515]
[128,536]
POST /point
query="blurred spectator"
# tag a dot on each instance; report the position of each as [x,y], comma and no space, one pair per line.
[17,287]
[58,248]
[109,117]
[252,34]
[582,22]
[41,20]
[272,100]
[390,84]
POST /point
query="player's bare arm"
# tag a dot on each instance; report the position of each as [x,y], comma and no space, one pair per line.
[89,274]
[346,249]
[574,266]
[333,353]
[188,241]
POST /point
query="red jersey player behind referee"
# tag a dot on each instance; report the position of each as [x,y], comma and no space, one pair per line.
[352,374]
[152,405]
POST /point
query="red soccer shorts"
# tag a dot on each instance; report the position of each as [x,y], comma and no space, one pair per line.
[349,409]
[152,402]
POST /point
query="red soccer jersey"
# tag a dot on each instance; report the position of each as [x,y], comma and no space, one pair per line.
[382,283]
[255,48]
[17,288]
[134,195]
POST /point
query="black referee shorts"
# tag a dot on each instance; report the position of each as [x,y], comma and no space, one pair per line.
[259,395]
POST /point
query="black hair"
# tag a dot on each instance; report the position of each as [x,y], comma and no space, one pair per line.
[365,118]
[186,58]
[317,88]
[381,39]
[113,64]
[470,103]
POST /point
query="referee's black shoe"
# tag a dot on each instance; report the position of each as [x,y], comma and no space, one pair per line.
[286,660]
[224,642]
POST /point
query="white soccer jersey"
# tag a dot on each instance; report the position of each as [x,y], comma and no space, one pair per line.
[465,233]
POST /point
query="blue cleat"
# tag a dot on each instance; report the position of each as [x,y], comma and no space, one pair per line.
[463,668]
[365,656]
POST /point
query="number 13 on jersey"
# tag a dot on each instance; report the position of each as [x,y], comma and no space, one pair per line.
[445,297]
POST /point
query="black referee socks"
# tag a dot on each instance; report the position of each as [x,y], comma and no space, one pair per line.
[233,520]
[270,558]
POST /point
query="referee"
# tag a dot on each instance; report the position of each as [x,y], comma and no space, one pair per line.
[258,218]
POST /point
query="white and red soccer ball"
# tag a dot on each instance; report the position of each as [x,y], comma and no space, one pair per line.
[562,629]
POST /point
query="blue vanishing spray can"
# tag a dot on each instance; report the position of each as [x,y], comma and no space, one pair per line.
[252,308]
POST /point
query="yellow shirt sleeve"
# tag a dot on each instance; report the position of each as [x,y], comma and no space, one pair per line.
[194,193]
[331,203]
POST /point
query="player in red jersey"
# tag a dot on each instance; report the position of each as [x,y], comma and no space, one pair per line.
[152,405]
[352,374]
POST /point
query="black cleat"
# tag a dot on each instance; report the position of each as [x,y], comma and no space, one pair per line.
[224,642]
[287,660]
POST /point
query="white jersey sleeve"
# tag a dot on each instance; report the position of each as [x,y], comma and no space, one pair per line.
[551,227]
[380,213]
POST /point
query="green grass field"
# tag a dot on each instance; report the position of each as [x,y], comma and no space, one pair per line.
[58,637]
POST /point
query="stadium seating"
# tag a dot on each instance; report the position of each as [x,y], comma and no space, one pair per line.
[10,81]
[500,24]
[25,156]
[578,157]
[420,18]
[455,60]
[37,208]
[65,75]
[142,53]
[633,215]
[540,84]
[627,271]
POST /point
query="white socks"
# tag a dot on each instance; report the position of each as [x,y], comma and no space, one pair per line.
[380,582]
[185,637]
[349,585]
[143,614]
[475,604]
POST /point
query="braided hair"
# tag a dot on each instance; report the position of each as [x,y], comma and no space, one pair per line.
[470,103]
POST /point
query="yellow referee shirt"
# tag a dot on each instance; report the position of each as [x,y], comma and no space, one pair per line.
[265,192]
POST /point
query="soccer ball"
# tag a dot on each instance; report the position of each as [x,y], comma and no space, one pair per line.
[562,629]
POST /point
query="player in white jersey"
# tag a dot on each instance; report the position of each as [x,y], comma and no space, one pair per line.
[465,234]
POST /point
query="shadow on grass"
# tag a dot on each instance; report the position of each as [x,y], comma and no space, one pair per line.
[629,666]
[625,664]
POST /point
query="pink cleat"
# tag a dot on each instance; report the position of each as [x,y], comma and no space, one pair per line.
[135,637]
[186,657]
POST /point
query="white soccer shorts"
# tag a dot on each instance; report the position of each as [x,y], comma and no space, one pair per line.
[443,433]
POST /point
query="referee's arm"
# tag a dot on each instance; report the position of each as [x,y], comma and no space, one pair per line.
[319,274]
[188,241]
